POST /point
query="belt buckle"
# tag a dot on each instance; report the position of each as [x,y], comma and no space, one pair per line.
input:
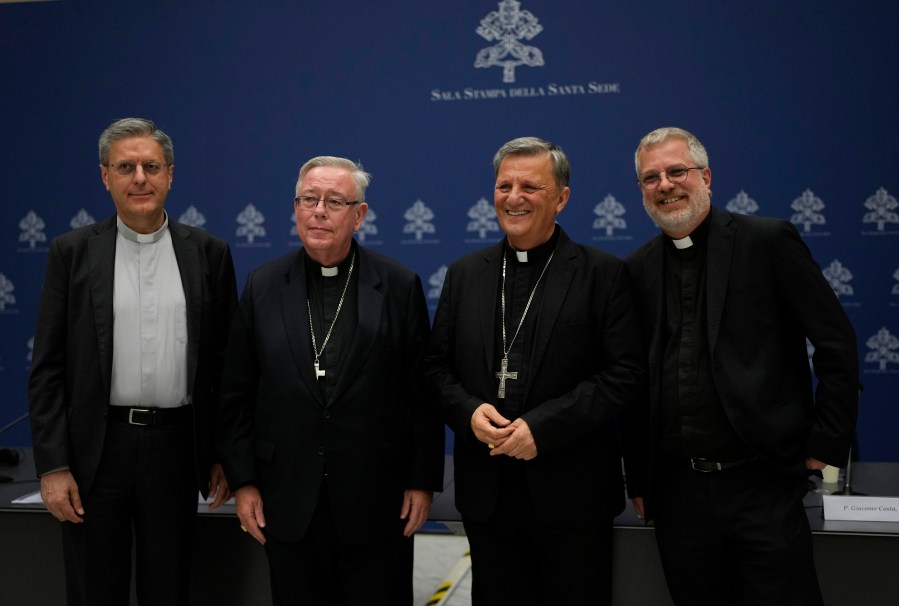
[131,412]
[694,460]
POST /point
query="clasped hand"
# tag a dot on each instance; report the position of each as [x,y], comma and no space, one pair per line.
[502,436]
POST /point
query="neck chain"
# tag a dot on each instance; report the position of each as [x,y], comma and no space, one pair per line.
[503,375]
[318,352]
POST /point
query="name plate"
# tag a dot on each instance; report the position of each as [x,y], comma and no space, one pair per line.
[861,508]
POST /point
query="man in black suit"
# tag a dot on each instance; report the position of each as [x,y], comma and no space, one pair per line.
[535,353]
[728,301]
[326,436]
[127,358]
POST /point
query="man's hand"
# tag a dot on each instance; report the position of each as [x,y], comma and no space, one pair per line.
[249,510]
[489,426]
[638,507]
[218,486]
[520,443]
[416,506]
[59,492]
[814,464]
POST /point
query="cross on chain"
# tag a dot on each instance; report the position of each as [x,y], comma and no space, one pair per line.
[504,374]
[318,371]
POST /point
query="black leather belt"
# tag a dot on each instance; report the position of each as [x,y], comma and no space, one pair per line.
[148,416]
[707,465]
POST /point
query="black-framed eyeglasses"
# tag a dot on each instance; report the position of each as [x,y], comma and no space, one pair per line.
[332,203]
[676,174]
[127,167]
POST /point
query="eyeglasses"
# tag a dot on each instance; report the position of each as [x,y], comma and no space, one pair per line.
[335,204]
[127,167]
[676,174]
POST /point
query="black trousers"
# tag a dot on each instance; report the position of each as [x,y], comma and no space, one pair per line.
[518,559]
[145,488]
[322,569]
[738,536]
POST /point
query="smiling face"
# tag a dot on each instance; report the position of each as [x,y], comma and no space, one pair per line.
[527,199]
[677,208]
[139,198]
[327,234]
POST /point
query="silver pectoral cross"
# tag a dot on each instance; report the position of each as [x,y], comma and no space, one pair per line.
[504,374]
[318,371]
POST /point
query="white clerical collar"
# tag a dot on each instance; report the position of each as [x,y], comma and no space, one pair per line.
[683,243]
[330,272]
[522,256]
[129,234]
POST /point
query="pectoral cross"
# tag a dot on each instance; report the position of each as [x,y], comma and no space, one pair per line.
[504,374]
[319,373]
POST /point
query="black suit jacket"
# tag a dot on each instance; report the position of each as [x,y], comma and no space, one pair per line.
[72,357]
[765,296]
[376,436]
[587,368]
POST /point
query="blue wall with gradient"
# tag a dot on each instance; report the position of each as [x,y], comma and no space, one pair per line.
[795,101]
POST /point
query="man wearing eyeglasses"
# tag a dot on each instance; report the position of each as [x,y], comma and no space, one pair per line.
[325,434]
[728,301]
[127,358]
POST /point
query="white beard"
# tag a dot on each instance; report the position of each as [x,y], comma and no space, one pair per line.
[677,221]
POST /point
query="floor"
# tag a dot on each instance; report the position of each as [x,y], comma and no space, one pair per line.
[441,558]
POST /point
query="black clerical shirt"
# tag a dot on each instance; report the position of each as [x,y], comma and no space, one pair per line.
[694,423]
[520,280]
[324,296]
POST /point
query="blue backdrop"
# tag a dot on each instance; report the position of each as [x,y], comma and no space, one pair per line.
[796,103]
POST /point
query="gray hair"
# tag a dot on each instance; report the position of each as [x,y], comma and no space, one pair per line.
[534,146]
[660,135]
[135,127]
[361,177]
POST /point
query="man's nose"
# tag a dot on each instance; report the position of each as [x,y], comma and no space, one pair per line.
[665,182]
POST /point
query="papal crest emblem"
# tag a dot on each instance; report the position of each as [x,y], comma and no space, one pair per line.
[507,27]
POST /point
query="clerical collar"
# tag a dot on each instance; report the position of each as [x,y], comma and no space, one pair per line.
[129,234]
[698,236]
[682,243]
[317,269]
[538,254]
